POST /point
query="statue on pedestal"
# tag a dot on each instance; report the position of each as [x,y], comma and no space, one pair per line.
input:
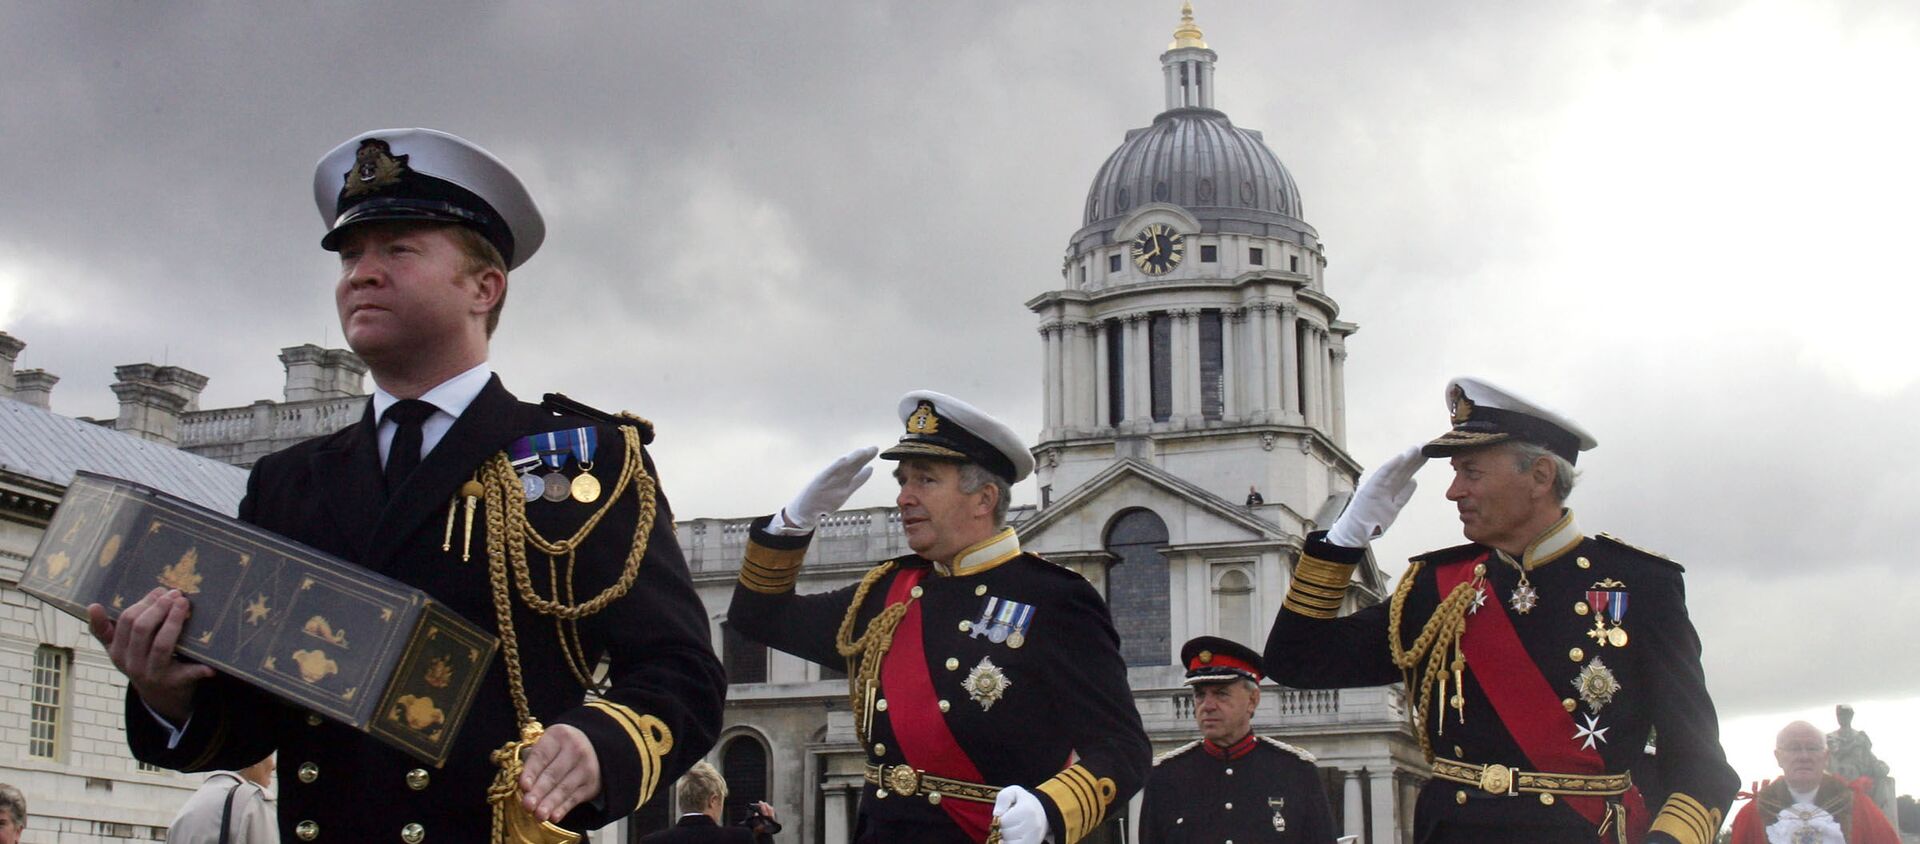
[1851,757]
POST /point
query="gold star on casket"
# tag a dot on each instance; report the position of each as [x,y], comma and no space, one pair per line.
[986,683]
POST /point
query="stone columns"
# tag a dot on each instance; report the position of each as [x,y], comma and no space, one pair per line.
[1102,379]
[1385,820]
[1289,362]
[1050,346]
[1181,368]
[1230,363]
[1353,809]
[1139,373]
[838,820]
[1339,387]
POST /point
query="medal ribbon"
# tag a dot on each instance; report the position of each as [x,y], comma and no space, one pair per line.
[557,445]
[913,708]
[1528,707]
[520,454]
[1618,609]
[585,442]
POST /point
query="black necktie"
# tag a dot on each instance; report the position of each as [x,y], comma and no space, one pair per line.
[404,455]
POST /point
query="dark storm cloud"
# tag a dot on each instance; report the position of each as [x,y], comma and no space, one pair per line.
[767,220]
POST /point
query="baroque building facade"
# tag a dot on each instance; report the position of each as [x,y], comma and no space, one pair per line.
[1193,431]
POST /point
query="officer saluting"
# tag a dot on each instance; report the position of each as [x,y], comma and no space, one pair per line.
[451,485]
[986,683]
[1536,658]
[1232,785]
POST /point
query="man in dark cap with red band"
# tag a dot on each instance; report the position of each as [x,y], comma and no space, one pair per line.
[1232,785]
[1537,658]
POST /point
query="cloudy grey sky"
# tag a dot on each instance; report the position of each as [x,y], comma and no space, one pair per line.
[1677,221]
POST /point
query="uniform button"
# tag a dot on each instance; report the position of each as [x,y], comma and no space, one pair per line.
[1576,654]
[313,720]
[965,625]
[880,704]
[944,706]
[953,664]
[1579,607]
[879,750]
[1583,563]
[1229,772]
[933,797]
[1460,797]
[1569,704]
[1179,821]
[1479,569]
[417,779]
[1229,806]
[916,592]
[413,833]
[307,830]
[1458,753]
[309,772]
[980,590]
[1546,799]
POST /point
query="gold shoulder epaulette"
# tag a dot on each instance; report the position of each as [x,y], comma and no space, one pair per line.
[1175,752]
[1652,555]
[1444,556]
[1297,751]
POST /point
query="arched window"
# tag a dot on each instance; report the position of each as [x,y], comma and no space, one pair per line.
[1233,605]
[745,659]
[1137,587]
[743,763]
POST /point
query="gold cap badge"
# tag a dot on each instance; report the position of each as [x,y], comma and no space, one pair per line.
[1461,406]
[374,167]
[923,421]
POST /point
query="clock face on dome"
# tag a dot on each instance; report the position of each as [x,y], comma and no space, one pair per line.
[1158,249]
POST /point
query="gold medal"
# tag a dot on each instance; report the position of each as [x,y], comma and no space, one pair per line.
[586,488]
[1617,637]
[1015,640]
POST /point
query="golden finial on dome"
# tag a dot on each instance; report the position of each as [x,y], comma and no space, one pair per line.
[1188,34]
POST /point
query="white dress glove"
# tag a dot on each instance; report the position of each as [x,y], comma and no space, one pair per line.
[1022,819]
[1378,499]
[825,493]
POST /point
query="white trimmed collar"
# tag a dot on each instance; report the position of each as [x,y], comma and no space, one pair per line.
[984,555]
[1557,540]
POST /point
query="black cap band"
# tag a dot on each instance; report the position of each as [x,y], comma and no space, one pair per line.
[424,198]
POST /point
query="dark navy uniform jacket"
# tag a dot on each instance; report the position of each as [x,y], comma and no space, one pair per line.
[328,493]
[1258,791]
[1065,700]
[1616,687]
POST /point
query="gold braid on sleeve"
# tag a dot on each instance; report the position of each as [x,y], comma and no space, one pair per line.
[865,654]
[1425,663]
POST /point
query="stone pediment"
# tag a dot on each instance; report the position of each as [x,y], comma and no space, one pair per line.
[1076,523]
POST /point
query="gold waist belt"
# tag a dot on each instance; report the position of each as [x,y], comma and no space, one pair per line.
[906,781]
[1500,779]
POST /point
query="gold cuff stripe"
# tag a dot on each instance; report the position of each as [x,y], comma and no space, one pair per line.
[1307,611]
[1082,800]
[651,743]
[1324,574]
[770,571]
[1307,590]
[1311,602]
[1687,820]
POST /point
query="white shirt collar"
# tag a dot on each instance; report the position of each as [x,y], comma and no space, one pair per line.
[450,398]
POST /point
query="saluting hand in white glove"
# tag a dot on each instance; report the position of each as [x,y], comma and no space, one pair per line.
[825,493]
[1022,819]
[1378,500]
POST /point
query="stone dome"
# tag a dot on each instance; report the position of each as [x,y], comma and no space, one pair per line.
[1197,159]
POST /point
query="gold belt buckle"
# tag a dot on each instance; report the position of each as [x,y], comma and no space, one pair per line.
[1497,779]
[902,780]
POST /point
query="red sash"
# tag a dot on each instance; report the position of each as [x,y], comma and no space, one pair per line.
[913,708]
[1528,706]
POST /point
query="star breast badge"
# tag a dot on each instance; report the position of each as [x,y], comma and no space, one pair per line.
[986,683]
